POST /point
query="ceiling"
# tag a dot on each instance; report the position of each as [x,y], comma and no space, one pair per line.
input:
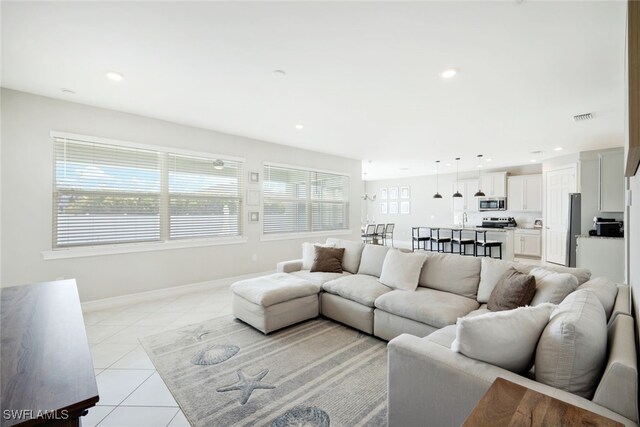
[362,78]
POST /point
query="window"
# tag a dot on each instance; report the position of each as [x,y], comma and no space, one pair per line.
[297,200]
[106,193]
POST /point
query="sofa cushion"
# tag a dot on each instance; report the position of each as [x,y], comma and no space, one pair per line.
[319,278]
[573,347]
[273,289]
[551,286]
[352,253]
[309,254]
[452,273]
[444,336]
[605,290]
[514,289]
[491,271]
[372,259]
[401,270]
[328,260]
[505,338]
[582,274]
[360,288]
[481,310]
[430,306]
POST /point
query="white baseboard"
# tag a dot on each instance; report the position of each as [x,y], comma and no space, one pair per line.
[156,294]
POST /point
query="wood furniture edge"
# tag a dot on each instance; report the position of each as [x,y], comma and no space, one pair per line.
[633,58]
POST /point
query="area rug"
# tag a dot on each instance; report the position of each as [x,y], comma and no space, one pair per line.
[317,373]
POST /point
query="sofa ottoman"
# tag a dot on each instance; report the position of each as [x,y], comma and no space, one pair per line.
[272,302]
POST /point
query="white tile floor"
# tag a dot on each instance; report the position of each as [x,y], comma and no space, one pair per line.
[132,394]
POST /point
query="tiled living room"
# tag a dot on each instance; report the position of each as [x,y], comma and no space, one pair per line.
[319,213]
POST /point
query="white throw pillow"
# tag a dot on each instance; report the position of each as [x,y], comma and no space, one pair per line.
[309,253]
[401,270]
[551,286]
[507,339]
[372,259]
[572,349]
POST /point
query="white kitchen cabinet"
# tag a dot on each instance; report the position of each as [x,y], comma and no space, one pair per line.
[494,184]
[524,193]
[611,191]
[468,203]
[527,243]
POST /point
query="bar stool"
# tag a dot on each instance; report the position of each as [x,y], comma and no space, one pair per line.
[369,233]
[484,244]
[416,238]
[437,239]
[388,234]
[462,243]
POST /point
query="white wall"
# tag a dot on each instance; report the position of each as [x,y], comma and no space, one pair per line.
[26,190]
[427,211]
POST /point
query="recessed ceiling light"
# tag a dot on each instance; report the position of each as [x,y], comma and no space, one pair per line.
[488,160]
[480,166]
[67,91]
[299,126]
[533,160]
[404,169]
[448,164]
[116,77]
[278,73]
[448,73]
[557,149]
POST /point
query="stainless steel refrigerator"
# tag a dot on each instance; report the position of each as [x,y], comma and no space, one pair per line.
[573,228]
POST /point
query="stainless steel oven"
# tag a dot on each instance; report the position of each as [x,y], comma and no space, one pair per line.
[492,204]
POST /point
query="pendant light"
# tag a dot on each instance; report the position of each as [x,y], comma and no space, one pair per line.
[437,195]
[457,193]
[479,193]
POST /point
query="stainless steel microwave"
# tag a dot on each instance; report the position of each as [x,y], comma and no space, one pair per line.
[492,204]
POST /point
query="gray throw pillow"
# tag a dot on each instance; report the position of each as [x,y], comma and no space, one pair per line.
[513,290]
[328,260]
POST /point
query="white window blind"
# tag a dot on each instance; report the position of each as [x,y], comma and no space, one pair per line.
[297,200]
[110,194]
[204,201]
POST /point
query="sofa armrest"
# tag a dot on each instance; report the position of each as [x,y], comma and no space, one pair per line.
[289,266]
[428,381]
[622,304]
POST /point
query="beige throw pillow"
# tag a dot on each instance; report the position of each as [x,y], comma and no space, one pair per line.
[506,339]
[572,349]
[513,290]
[401,270]
[605,290]
[551,286]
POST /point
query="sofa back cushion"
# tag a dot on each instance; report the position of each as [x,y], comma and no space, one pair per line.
[352,253]
[605,290]
[401,270]
[372,259]
[582,274]
[451,273]
[573,347]
[551,286]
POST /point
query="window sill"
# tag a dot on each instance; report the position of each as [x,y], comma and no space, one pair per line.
[89,251]
[295,236]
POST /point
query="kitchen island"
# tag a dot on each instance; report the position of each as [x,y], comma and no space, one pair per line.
[504,235]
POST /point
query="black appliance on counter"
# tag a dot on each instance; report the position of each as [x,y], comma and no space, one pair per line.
[499,222]
[607,227]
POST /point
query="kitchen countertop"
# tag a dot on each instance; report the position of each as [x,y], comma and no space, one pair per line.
[470,228]
[586,236]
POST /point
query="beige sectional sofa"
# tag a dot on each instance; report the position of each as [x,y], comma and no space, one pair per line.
[429,381]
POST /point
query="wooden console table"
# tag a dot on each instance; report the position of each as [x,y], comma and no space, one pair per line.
[510,404]
[46,369]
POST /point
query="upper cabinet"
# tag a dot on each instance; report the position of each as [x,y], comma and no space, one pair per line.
[467,202]
[525,193]
[611,191]
[494,184]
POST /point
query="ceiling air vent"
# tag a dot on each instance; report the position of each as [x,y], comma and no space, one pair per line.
[582,117]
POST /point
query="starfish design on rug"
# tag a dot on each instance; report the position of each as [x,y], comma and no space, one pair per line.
[196,333]
[247,385]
